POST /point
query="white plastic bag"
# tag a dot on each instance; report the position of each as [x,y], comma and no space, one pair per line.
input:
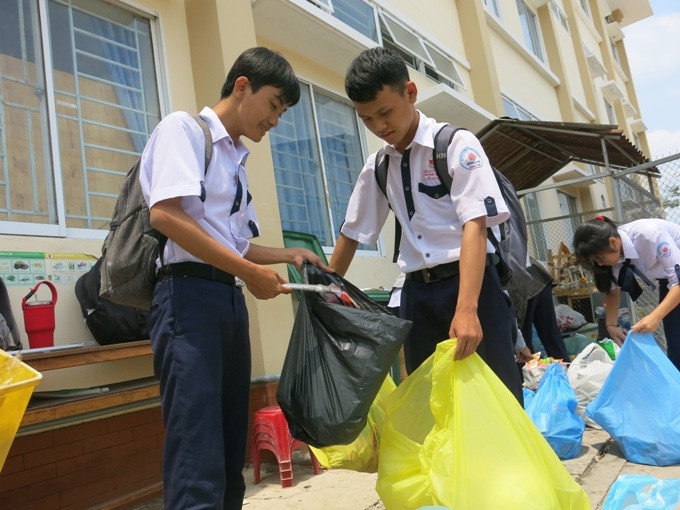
[587,374]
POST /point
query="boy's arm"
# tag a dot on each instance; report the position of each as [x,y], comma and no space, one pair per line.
[269,255]
[344,251]
[168,217]
[465,325]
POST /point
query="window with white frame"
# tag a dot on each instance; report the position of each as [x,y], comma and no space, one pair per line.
[515,111]
[615,50]
[585,7]
[418,52]
[492,6]
[383,28]
[357,14]
[72,120]
[534,227]
[611,116]
[560,15]
[532,34]
[568,208]
[317,156]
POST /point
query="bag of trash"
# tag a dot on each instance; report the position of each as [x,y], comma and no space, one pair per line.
[639,403]
[362,453]
[337,359]
[456,436]
[587,373]
[553,411]
[643,491]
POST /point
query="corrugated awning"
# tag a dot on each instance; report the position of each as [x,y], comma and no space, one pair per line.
[530,152]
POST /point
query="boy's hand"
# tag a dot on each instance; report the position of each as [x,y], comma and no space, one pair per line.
[265,283]
[466,328]
[302,254]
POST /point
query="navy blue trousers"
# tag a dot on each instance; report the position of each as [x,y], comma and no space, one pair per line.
[201,348]
[431,307]
[671,327]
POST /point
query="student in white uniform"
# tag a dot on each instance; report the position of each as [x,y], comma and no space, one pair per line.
[648,249]
[198,317]
[451,287]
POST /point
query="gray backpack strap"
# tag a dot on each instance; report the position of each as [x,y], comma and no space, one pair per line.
[208,140]
[442,140]
[381,164]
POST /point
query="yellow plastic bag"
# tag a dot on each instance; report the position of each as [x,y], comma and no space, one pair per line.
[362,453]
[455,436]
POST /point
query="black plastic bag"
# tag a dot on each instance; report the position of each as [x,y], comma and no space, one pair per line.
[337,359]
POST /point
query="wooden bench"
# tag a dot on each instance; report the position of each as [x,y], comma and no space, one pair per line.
[119,396]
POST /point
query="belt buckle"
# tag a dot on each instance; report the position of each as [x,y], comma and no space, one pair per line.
[427,277]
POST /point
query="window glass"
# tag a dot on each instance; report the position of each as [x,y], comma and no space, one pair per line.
[536,230]
[530,29]
[444,65]
[403,36]
[492,5]
[611,116]
[26,185]
[358,15]
[317,159]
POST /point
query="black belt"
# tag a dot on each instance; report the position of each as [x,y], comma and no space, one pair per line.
[197,270]
[443,271]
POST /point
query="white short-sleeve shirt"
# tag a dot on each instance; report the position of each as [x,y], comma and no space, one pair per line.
[172,166]
[653,246]
[433,234]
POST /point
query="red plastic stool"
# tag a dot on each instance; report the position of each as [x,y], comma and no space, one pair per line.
[270,432]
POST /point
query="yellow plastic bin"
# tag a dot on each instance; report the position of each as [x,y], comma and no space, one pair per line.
[16,387]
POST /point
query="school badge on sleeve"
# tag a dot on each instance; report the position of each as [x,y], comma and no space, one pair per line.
[469,158]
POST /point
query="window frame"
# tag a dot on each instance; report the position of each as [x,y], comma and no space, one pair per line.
[493,7]
[313,90]
[533,39]
[58,218]
[420,60]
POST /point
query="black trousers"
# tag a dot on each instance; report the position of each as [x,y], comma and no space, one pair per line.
[201,347]
[431,307]
[541,314]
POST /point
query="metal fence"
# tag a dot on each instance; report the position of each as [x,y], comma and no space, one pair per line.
[636,195]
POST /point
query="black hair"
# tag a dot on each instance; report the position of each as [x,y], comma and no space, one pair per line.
[590,239]
[371,71]
[263,66]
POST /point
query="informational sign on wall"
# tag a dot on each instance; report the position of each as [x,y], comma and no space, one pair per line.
[26,268]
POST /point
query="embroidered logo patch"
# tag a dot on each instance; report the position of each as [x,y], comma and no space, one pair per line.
[428,172]
[663,250]
[470,158]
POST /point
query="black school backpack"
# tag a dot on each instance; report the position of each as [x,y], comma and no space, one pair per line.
[109,323]
[512,247]
[9,331]
[130,250]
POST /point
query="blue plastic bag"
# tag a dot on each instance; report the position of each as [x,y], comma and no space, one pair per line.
[553,411]
[638,492]
[528,396]
[639,403]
